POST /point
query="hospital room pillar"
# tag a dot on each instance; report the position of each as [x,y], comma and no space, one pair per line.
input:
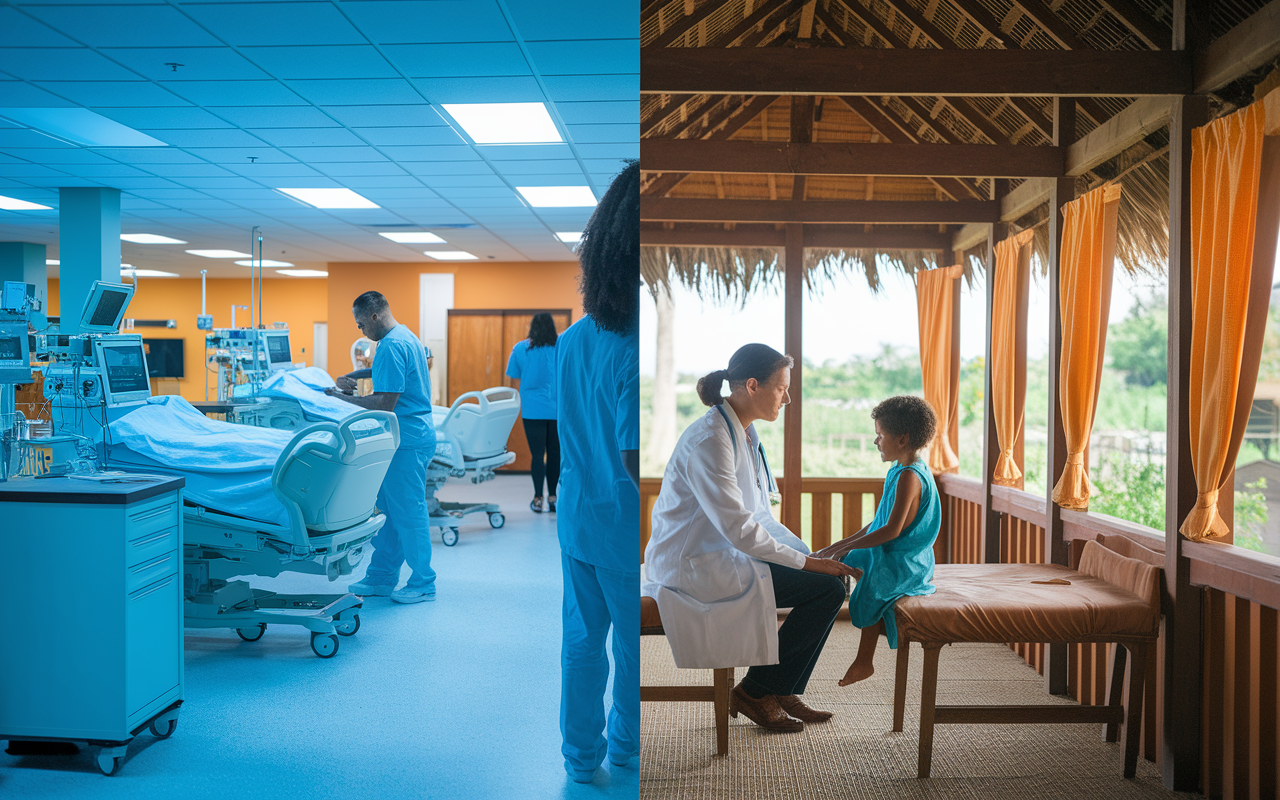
[88,245]
[24,262]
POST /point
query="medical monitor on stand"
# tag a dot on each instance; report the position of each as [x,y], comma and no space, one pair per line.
[279,356]
[105,307]
[124,371]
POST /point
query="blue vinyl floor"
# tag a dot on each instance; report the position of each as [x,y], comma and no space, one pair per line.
[453,699]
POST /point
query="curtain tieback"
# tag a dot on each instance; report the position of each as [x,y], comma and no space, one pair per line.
[1075,459]
[1207,499]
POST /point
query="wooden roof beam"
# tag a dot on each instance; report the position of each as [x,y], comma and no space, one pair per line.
[1140,23]
[1051,24]
[848,158]
[847,237]
[734,120]
[931,73]
[1245,47]
[686,23]
[649,125]
[764,13]
[684,209]
[894,132]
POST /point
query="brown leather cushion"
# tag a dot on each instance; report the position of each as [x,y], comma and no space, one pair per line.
[1004,602]
[650,619]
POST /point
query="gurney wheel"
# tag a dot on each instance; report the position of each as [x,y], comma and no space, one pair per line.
[497,520]
[252,634]
[325,645]
[347,627]
[170,726]
[449,536]
[109,764]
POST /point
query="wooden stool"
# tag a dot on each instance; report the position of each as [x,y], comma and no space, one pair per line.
[718,693]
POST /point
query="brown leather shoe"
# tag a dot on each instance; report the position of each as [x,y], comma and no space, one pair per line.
[764,712]
[793,705]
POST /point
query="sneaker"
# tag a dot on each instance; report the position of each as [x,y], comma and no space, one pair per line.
[412,596]
[535,505]
[370,589]
[551,503]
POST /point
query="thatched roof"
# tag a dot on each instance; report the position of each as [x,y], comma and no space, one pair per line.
[1142,236]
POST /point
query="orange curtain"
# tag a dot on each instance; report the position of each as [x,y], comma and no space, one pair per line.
[935,299]
[1008,389]
[1230,292]
[1088,252]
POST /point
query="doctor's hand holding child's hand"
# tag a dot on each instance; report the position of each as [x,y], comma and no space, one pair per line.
[826,566]
[346,384]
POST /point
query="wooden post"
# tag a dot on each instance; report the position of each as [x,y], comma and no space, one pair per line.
[1055,548]
[793,263]
[990,447]
[953,433]
[1183,640]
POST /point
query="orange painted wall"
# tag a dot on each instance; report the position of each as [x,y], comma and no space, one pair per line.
[494,285]
[299,302]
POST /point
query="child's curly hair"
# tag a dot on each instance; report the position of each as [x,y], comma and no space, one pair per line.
[907,414]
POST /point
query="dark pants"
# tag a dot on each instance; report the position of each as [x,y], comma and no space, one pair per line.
[543,441]
[814,600]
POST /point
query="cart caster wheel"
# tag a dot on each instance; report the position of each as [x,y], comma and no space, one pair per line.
[109,764]
[253,633]
[347,627]
[497,520]
[449,536]
[325,645]
[169,726]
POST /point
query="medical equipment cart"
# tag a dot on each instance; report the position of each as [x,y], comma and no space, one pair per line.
[96,578]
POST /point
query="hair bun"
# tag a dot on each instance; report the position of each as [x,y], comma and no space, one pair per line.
[709,387]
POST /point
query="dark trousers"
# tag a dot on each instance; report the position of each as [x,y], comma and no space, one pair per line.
[814,600]
[544,442]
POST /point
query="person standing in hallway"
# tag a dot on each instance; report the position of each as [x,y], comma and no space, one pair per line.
[598,393]
[533,366]
[401,384]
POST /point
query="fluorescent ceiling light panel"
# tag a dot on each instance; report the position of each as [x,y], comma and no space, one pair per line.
[266,262]
[148,273]
[14,204]
[303,273]
[412,237]
[219,253]
[80,126]
[52,262]
[569,237]
[149,238]
[557,196]
[505,123]
[450,255]
[330,198]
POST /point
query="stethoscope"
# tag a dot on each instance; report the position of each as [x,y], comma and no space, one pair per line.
[768,473]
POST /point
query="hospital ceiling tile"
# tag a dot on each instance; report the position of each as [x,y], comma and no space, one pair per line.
[419,115]
[435,217]
[579,88]
[60,64]
[174,194]
[29,171]
[559,179]
[163,118]
[218,183]
[187,170]
[194,63]
[241,155]
[96,171]
[440,134]
[591,57]
[215,137]
[18,27]
[361,169]
[269,172]
[18,94]
[317,155]
[361,182]
[453,185]
[447,168]
[275,116]
[94,94]
[609,166]
[125,25]
[574,19]
[202,203]
[59,155]
[380,91]
[527,152]
[541,167]
[458,60]
[17,138]
[316,182]
[136,204]
[332,61]
[235,93]
[401,21]
[439,152]
[307,137]
[607,134]
[8,159]
[58,181]
[510,89]
[243,24]
[615,150]
[144,184]
[589,113]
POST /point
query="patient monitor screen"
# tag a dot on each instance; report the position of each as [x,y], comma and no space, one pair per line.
[108,308]
[11,347]
[126,368]
[278,350]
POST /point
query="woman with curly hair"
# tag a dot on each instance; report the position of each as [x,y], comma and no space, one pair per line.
[533,366]
[598,415]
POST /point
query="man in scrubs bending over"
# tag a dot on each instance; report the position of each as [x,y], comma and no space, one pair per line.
[401,384]
[597,367]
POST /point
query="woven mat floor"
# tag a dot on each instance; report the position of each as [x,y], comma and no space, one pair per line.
[856,756]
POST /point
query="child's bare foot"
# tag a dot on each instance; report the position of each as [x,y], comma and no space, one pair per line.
[857,672]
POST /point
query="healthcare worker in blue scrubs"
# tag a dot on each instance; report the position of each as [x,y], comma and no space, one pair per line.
[401,384]
[597,366]
[533,368]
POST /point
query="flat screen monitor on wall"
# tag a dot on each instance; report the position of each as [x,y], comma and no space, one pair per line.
[164,358]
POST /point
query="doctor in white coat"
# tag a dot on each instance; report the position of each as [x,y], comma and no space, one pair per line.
[719,564]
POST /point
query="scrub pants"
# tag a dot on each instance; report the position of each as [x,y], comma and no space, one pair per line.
[594,598]
[406,536]
[543,440]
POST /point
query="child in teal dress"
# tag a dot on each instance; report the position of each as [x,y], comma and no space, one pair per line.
[895,552]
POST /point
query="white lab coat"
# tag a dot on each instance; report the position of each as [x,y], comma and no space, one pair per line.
[712,533]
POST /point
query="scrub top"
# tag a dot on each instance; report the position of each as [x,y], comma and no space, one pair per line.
[536,370]
[401,366]
[598,390]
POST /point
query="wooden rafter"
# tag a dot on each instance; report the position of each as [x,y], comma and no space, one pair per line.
[846,237]
[653,121]
[1245,47]
[1051,24]
[1149,31]
[820,211]
[686,23]
[729,125]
